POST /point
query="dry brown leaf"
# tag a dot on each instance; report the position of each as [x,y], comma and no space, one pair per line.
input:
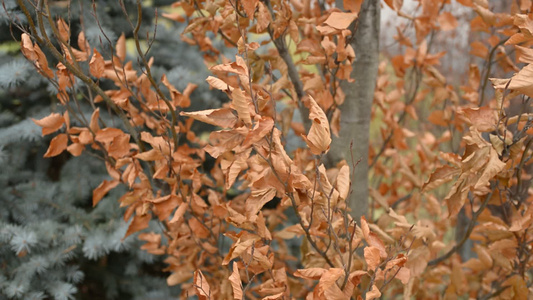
[100,191]
[395,5]
[440,176]
[372,257]
[319,137]
[484,119]
[120,48]
[50,123]
[138,223]
[201,285]
[310,273]
[520,82]
[373,293]
[240,104]
[236,283]
[57,145]
[352,5]
[343,182]
[218,84]
[340,20]
[223,117]
[328,279]
[179,213]
[447,21]
[97,64]
[64,30]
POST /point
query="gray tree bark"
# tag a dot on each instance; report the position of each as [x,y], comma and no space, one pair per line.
[355,111]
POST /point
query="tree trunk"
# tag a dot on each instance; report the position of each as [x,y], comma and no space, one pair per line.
[355,111]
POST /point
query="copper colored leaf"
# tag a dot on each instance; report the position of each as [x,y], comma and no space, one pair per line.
[447,21]
[340,20]
[319,137]
[218,83]
[42,62]
[372,257]
[97,65]
[263,17]
[520,82]
[373,293]
[457,196]
[484,119]
[352,5]
[396,5]
[179,213]
[236,283]
[121,47]
[51,123]
[222,117]
[180,276]
[440,176]
[328,279]
[343,182]
[524,54]
[75,149]
[202,287]
[310,273]
[100,191]
[493,166]
[26,46]
[240,104]
[138,223]
[398,261]
[64,30]
[518,286]
[57,145]
[249,7]
[177,16]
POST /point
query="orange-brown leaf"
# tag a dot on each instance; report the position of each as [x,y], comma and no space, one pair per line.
[319,137]
[120,48]
[373,293]
[222,117]
[57,145]
[519,82]
[202,287]
[352,5]
[236,283]
[240,104]
[372,257]
[179,213]
[310,273]
[51,123]
[97,64]
[340,20]
[484,119]
[138,223]
[26,46]
[64,30]
[100,191]
[447,21]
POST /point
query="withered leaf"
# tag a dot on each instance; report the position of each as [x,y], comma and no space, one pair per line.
[100,191]
[340,20]
[223,117]
[97,64]
[319,137]
[236,283]
[202,287]
[57,145]
[240,104]
[51,123]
